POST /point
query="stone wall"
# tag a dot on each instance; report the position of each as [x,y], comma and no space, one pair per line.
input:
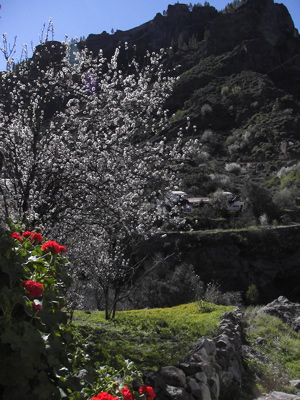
[213,367]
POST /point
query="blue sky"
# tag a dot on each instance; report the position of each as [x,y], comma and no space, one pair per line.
[25,18]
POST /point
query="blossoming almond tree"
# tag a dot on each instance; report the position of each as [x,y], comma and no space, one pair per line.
[30,98]
[85,153]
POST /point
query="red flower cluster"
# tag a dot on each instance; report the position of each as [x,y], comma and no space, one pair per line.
[34,237]
[104,396]
[147,391]
[26,234]
[127,394]
[35,289]
[53,247]
[16,235]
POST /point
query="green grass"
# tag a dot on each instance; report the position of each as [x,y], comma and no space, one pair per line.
[281,346]
[150,338]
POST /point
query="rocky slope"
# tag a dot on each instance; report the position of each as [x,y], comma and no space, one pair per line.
[239,83]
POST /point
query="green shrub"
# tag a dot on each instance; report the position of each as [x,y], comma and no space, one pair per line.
[252,295]
[34,337]
[213,294]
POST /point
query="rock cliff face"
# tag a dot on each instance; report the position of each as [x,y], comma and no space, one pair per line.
[179,24]
[242,64]
[266,258]
[262,27]
[262,20]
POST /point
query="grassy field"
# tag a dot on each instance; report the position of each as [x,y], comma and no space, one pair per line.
[151,338]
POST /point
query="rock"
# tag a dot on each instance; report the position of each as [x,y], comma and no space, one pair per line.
[177,393]
[287,311]
[173,376]
[214,386]
[201,377]
[191,368]
[207,344]
[295,383]
[199,390]
[282,396]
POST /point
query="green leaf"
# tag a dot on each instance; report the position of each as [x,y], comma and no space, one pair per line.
[14,369]
[25,338]
[44,387]
[12,267]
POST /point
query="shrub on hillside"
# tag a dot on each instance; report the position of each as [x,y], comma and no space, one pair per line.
[213,294]
[167,286]
[260,201]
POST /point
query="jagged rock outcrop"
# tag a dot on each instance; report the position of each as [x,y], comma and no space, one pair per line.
[172,29]
[282,308]
[262,21]
[263,30]
[241,65]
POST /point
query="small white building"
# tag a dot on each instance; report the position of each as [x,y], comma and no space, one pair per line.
[181,199]
[236,206]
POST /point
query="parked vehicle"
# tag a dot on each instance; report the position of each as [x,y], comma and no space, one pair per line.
[180,199]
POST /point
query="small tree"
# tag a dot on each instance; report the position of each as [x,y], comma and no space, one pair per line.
[79,153]
[260,201]
[252,295]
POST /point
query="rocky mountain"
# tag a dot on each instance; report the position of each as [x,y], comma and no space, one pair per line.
[239,83]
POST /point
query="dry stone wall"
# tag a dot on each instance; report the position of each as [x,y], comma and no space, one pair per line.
[214,370]
[213,367]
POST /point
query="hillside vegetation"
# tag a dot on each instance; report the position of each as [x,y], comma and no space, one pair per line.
[151,338]
[155,338]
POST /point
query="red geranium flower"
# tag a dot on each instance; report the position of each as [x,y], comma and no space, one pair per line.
[35,289]
[16,235]
[26,234]
[126,392]
[104,396]
[62,249]
[36,237]
[52,246]
[147,391]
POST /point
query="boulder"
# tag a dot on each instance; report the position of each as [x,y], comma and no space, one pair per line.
[284,309]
